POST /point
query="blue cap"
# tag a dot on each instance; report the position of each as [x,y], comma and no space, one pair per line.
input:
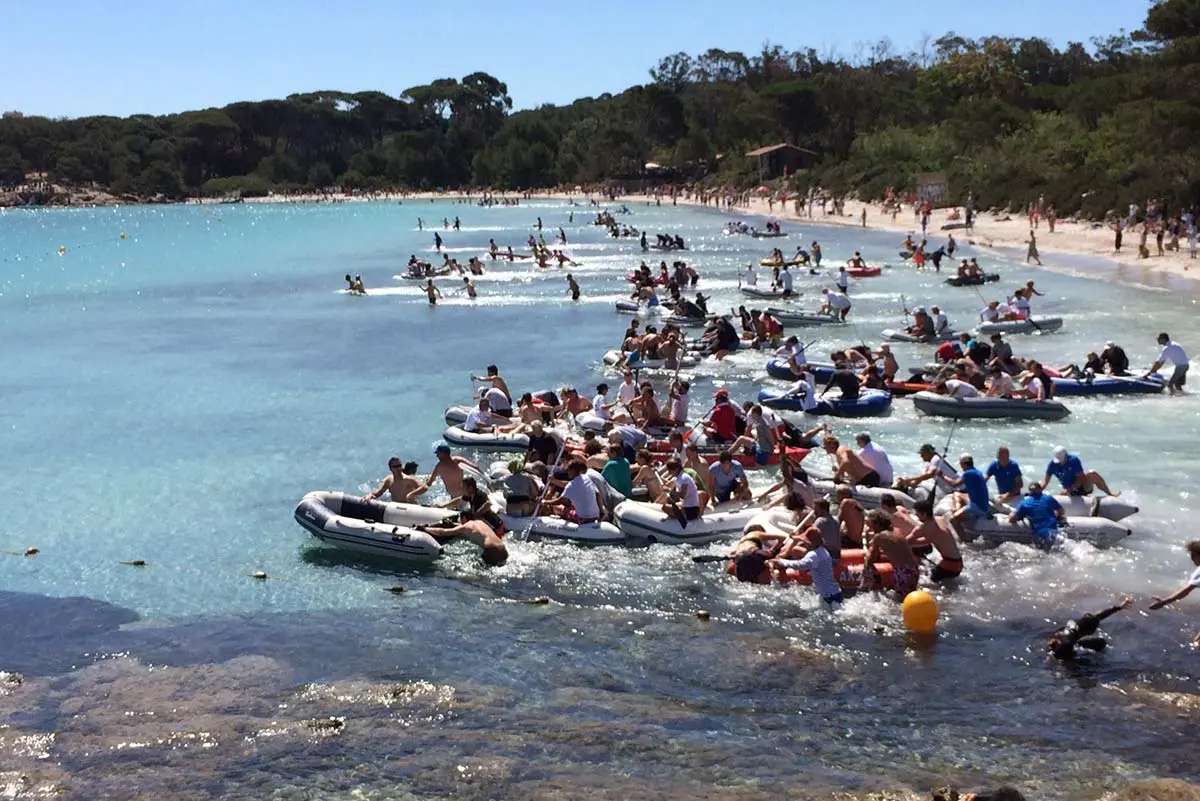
[443,448]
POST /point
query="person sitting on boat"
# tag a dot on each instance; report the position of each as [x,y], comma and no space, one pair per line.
[851,468]
[1007,473]
[1020,304]
[992,313]
[1002,355]
[759,439]
[1091,366]
[932,531]
[679,243]
[941,323]
[677,395]
[793,350]
[726,339]
[645,409]
[888,546]
[729,482]
[480,420]
[1082,633]
[963,270]
[1007,313]
[683,497]
[836,304]
[1000,383]
[973,269]
[645,474]
[579,501]
[721,423]
[846,382]
[970,500]
[936,468]
[1114,359]
[776,257]
[922,327]
[1068,469]
[855,262]
[354,285]
[400,483]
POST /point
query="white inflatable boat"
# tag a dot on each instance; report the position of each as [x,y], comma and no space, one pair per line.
[486,441]
[982,407]
[802,318]
[1031,326]
[867,497]
[1114,509]
[646,522]
[1096,530]
[371,527]
[555,528]
[775,294]
[777,520]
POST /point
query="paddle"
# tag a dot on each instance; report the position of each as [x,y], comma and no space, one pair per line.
[945,449]
[537,507]
[709,558]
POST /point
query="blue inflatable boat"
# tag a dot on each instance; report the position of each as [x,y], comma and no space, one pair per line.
[1109,385]
[778,368]
[869,403]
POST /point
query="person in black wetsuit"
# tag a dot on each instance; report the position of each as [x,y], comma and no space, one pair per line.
[1081,633]
[846,382]
[1114,359]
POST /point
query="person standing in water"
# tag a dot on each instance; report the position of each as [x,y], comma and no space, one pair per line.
[420,224]
[1171,352]
[1032,253]
[437,241]
[400,483]
[1193,582]
[469,287]
[457,224]
[432,292]
[573,286]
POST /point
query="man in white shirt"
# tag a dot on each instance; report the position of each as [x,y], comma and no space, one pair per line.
[600,404]
[935,468]
[785,281]
[679,402]
[1173,353]
[941,324]
[683,502]
[836,304]
[957,388]
[497,401]
[803,390]
[876,458]
[992,313]
[843,281]
[628,389]
[480,420]
[1020,304]
[579,501]
[793,349]
[751,276]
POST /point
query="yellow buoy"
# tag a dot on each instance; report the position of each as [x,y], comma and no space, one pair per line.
[920,612]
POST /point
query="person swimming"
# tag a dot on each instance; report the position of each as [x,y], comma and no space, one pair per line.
[1082,633]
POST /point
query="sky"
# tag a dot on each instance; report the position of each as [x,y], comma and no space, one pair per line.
[73,58]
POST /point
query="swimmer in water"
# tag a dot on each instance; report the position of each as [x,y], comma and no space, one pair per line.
[432,292]
[1081,633]
[573,285]
[469,287]
[400,483]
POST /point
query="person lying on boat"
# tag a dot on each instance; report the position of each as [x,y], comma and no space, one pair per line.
[886,545]
[849,359]
[1091,366]
[579,502]
[1114,359]
[956,387]
[752,553]
[1082,633]
[933,532]
[404,488]
[449,469]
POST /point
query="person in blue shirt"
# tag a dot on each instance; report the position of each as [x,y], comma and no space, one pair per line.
[1007,473]
[1044,515]
[973,502]
[1068,469]
[729,480]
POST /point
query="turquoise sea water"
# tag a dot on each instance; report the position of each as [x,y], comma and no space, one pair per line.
[169,396]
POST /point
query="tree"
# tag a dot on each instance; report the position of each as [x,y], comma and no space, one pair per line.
[320,176]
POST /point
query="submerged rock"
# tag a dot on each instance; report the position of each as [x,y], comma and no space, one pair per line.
[1160,790]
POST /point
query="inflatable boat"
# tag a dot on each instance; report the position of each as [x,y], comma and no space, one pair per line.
[759,292]
[772,263]
[778,521]
[371,527]
[1113,509]
[614,356]
[1109,385]
[801,318]
[778,368]
[1043,326]
[657,280]
[767,234]
[485,441]
[869,497]
[869,403]
[647,523]
[935,405]
[864,272]
[894,335]
[973,280]
[1096,530]
[692,322]
[549,527]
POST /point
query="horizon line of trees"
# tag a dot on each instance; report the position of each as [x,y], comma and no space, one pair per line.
[1091,129]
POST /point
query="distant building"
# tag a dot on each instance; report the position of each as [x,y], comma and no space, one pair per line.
[12,115]
[776,161]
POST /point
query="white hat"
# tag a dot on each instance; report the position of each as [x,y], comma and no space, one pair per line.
[1060,454]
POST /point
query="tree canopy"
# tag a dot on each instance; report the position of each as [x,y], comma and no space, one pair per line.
[1088,126]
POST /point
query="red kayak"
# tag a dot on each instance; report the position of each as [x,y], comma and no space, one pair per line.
[864,272]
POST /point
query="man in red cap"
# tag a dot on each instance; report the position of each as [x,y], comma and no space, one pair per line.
[721,423]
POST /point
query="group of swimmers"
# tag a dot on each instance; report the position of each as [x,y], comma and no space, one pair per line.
[664,242]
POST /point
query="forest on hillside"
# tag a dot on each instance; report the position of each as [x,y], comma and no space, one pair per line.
[1089,127]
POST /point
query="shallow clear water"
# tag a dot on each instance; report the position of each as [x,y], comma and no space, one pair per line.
[170,395]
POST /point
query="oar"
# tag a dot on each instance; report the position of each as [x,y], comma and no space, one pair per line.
[537,507]
[945,450]
[709,558]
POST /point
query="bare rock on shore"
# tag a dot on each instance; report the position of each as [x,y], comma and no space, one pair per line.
[1160,790]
